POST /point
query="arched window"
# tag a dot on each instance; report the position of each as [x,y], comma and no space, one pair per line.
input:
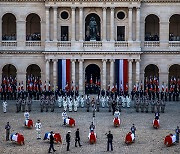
[174,28]
[152,28]
[8,27]
[33,27]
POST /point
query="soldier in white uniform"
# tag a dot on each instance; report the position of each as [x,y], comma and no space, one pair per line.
[70,105]
[64,117]
[4,106]
[26,115]
[38,129]
[75,104]
[65,104]
[116,114]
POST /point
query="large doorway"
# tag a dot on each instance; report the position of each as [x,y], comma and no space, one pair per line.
[92,79]
[151,76]
[174,77]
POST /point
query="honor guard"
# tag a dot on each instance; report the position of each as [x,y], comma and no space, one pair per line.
[47,103]
[4,104]
[23,105]
[38,129]
[152,106]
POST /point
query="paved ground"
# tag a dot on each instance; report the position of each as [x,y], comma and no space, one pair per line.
[148,140]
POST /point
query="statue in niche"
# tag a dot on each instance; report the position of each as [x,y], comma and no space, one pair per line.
[92,29]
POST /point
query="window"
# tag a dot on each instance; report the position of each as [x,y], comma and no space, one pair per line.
[121,15]
[64,33]
[120,33]
[64,15]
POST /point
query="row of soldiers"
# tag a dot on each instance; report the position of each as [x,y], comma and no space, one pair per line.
[166,96]
[142,104]
[47,102]
[23,104]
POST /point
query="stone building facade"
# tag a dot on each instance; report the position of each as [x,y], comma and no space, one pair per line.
[37,33]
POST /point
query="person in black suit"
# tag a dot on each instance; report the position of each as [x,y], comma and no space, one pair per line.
[68,139]
[51,142]
[77,138]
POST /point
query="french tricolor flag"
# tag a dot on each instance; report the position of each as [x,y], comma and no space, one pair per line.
[121,73]
[64,66]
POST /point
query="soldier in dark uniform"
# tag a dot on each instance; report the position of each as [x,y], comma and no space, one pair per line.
[177,95]
[47,103]
[23,105]
[87,103]
[158,106]
[162,105]
[52,103]
[170,96]
[42,102]
[146,105]
[162,95]
[152,106]
[98,103]
[166,96]
[174,95]
[17,105]
[103,92]
[137,104]
[113,106]
[142,105]
[29,104]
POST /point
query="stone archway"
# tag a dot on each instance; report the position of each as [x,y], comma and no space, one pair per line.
[92,79]
[151,76]
[174,75]
[9,71]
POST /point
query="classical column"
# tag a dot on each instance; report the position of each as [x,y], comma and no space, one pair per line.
[55,72]
[0,32]
[112,25]
[130,74]
[111,73]
[80,24]
[47,71]
[104,24]
[137,70]
[138,24]
[81,76]
[73,71]
[73,13]
[130,24]
[55,24]
[104,74]
[47,23]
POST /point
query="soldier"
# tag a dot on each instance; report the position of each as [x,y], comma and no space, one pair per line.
[133,130]
[47,103]
[26,115]
[152,106]
[158,106]
[137,104]
[146,105]
[4,104]
[42,102]
[17,105]
[52,103]
[23,105]
[142,104]
[75,104]
[20,101]
[162,105]
[113,106]
[177,134]
[87,103]
[29,104]
[70,104]
[38,129]
[97,103]
[7,127]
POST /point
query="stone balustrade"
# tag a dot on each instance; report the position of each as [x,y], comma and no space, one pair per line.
[92,44]
[33,43]
[151,43]
[174,43]
[64,44]
[121,44]
[9,43]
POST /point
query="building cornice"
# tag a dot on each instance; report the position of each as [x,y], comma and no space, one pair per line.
[143,1]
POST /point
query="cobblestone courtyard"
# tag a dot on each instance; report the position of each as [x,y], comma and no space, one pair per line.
[148,140]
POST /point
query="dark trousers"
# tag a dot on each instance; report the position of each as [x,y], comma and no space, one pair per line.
[51,147]
[68,144]
[7,135]
[177,137]
[109,142]
[77,140]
